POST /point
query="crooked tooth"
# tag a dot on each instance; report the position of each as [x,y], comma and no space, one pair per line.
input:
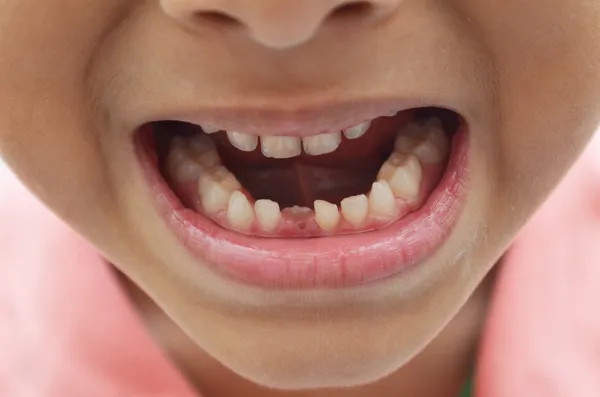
[268,214]
[317,145]
[281,147]
[214,196]
[242,141]
[405,179]
[355,209]
[358,130]
[240,213]
[327,215]
[382,202]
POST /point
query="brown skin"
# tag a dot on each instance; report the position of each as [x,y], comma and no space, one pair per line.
[78,77]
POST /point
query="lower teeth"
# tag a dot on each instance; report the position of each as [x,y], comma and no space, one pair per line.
[403,183]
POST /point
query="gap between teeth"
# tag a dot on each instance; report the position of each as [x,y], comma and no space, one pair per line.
[196,159]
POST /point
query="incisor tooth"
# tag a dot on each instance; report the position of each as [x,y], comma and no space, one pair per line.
[243,142]
[357,131]
[213,195]
[322,144]
[405,181]
[382,202]
[281,147]
[327,215]
[355,209]
[300,211]
[240,213]
[268,214]
[210,129]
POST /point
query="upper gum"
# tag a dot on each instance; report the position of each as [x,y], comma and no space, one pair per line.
[326,131]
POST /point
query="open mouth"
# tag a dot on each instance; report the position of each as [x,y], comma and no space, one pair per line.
[249,202]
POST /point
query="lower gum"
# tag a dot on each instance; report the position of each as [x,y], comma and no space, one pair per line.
[295,224]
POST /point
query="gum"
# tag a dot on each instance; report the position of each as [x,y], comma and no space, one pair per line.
[300,224]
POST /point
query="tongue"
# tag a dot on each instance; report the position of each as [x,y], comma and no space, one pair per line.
[301,184]
[349,171]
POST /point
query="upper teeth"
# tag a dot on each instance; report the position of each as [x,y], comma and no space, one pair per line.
[288,146]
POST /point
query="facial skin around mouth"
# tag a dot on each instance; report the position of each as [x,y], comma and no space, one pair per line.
[335,209]
[78,77]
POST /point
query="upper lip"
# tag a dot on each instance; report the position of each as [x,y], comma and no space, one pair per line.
[282,120]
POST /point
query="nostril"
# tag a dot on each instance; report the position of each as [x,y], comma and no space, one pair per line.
[217,18]
[352,9]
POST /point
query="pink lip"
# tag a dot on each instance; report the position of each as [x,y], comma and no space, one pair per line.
[294,121]
[332,262]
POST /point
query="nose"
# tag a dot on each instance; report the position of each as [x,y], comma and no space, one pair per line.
[278,23]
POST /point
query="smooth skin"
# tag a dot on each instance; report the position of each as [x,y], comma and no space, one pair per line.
[77,78]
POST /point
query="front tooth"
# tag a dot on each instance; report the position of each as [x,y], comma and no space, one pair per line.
[242,141]
[355,209]
[317,145]
[268,214]
[382,202]
[405,181]
[357,131]
[300,211]
[240,213]
[213,195]
[281,147]
[210,129]
[327,215]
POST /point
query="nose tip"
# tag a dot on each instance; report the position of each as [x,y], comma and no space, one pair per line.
[276,23]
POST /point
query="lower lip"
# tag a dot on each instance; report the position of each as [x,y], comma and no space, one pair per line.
[331,262]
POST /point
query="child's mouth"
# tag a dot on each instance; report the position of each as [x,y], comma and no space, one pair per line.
[254,197]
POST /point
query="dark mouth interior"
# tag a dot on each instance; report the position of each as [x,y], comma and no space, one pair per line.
[299,181]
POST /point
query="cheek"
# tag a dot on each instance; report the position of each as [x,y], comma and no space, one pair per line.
[47,134]
[547,62]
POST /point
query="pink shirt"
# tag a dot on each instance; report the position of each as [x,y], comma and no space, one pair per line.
[67,330]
